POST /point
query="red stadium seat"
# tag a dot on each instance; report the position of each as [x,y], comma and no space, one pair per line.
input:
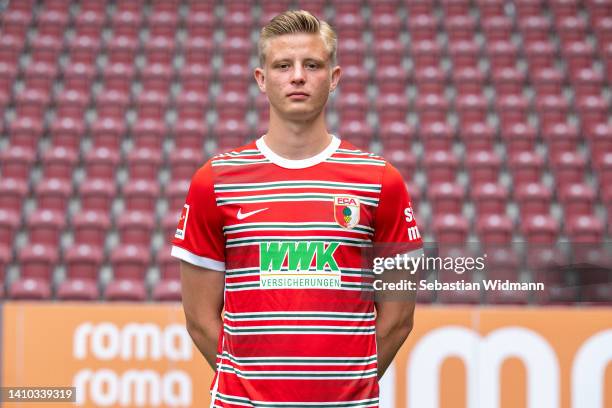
[67,133]
[144,164]
[519,137]
[568,168]
[472,109]
[79,77]
[136,228]
[512,109]
[561,137]
[577,199]
[490,198]
[101,163]
[89,23]
[508,81]
[141,195]
[494,229]
[450,229]
[426,53]
[460,27]
[184,163]
[431,108]
[53,194]
[195,78]
[112,104]
[526,167]
[430,80]
[392,108]
[108,132]
[533,199]
[156,77]
[200,24]
[423,26]
[593,112]
[468,80]
[446,198]
[40,76]
[540,229]
[12,194]
[59,163]
[31,103]
[129,264]
[497,27]
[478,136]
[585,229]
[547,81]
[97,196]
[483,166]
[540,55]
[71,104]
[163,23]
[16,162]
[118,77]
[9,223]
[437,136]
[91,227]
[441,166]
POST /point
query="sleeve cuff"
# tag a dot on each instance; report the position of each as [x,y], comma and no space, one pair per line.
[196,260]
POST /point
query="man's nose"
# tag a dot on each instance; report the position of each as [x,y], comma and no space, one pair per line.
[298,75]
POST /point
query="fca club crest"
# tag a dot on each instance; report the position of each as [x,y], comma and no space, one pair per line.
[346,211]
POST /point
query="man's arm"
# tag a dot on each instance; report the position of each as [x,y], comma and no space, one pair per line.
[202,291]
[394,320]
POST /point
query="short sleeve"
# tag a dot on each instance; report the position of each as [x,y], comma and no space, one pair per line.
[199,238]
[395,223]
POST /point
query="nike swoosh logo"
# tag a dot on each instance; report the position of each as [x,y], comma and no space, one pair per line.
[242,216]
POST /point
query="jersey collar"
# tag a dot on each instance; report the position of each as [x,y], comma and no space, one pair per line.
[297,164]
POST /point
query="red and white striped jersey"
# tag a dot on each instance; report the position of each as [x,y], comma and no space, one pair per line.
[289,235]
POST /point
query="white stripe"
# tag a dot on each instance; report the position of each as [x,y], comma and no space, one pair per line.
[200,261]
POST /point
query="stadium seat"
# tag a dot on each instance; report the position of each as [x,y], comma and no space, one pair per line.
[90,227]
[59,163]
[568,168]
[468,80]
[483,166]
[577,199]
[53,194]
[450,229]
[156,77]
[441,166]
[446,197]
[108,132]
[12,194]
[136,228]
[437,136]
[184,163]
[141,195]
[117,77]
[540,229]
[472,109]
[97,195]
[16,162]
[490,198]
[9,223]
[477,136]
[144,164]
[40,76]
[533,199]
[494,229]
[526,167]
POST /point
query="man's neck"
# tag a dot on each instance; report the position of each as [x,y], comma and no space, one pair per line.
[297,140]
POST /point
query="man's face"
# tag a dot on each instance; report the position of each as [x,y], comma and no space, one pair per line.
[297,75]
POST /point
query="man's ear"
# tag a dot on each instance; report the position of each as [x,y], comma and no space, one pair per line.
[335,77]
[260,78]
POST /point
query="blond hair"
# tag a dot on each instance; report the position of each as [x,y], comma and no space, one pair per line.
[297,21]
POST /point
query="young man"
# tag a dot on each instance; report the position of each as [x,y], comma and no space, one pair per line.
[272,234]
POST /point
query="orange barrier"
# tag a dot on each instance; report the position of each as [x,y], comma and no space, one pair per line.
[140,355]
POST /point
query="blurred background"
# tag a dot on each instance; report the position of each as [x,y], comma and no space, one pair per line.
[496,112]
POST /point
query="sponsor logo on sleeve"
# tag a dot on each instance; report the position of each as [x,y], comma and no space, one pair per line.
[182,224]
